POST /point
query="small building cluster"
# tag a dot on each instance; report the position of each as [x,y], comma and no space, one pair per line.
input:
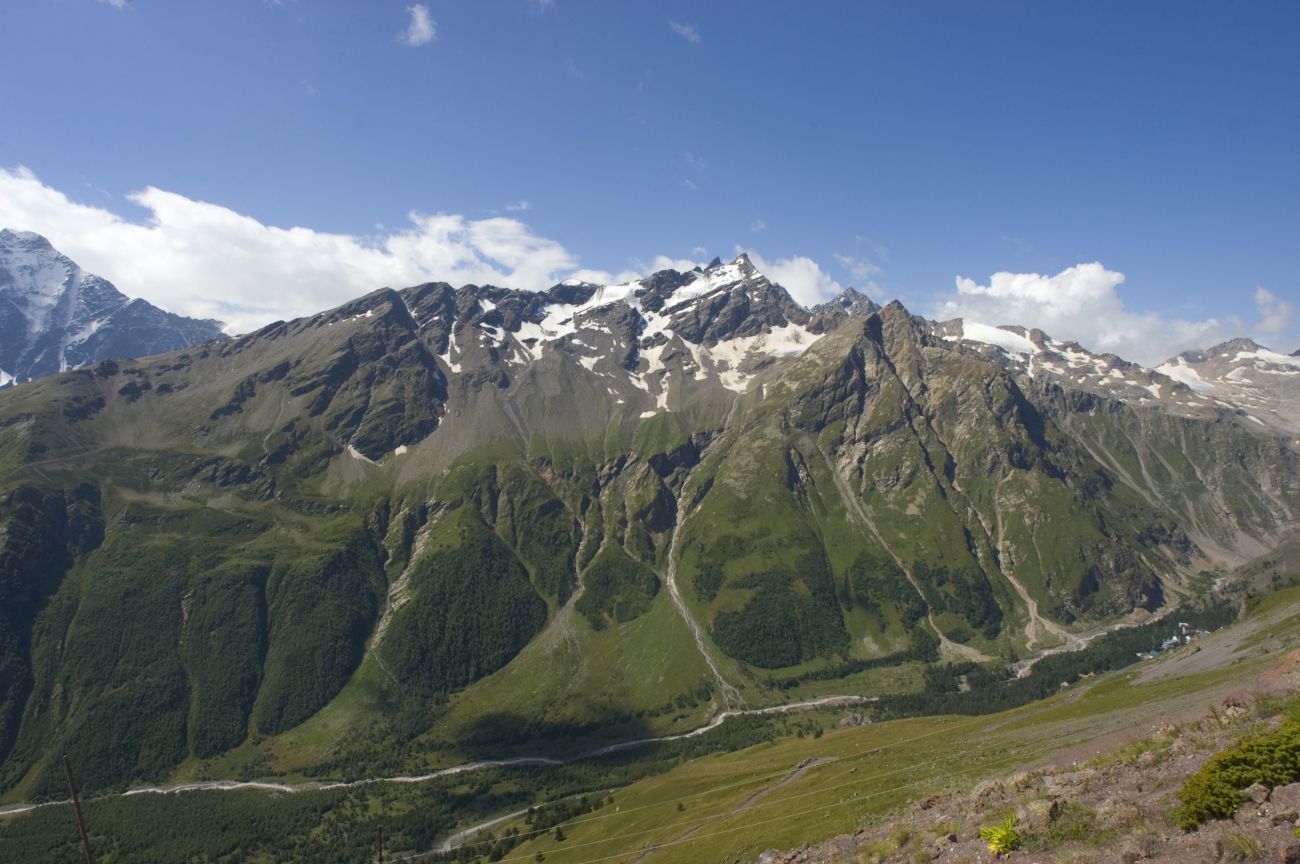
[1184,634]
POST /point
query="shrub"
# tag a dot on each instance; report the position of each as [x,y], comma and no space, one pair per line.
[1002,837]
[1214,792]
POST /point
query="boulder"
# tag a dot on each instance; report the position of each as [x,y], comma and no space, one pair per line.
[1039,813]
[1257,792]
[1286,798]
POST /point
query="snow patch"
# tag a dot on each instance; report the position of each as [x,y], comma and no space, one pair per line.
[1268,356]
[789,340]
[359,456]
[1180,371]
[445,357]
[1012,343]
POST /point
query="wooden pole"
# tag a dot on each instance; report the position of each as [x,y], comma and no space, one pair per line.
[76,806]
[381,846]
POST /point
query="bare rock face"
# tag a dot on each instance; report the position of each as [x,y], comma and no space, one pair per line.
[1286,799]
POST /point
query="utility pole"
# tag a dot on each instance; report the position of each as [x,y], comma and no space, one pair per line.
[76,806]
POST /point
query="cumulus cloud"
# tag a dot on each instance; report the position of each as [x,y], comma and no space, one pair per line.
[864,272]
[421,29]
[689,32]
[639,269]
[1275,313]
[803,277]
[208,261]
[1081,303]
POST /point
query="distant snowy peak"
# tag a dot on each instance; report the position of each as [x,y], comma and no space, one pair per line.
[54,316]
[1240,376]
[1242,372]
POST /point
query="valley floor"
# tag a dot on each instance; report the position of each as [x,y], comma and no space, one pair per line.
[833,786]
[879,792]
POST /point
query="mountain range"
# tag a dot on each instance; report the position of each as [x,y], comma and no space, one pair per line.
[54,316]
[438,520]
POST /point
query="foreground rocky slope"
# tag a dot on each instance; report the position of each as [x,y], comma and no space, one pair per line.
[477,517]
[1115,806]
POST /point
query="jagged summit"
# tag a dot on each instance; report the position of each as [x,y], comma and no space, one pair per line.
[850,302]
[55,316]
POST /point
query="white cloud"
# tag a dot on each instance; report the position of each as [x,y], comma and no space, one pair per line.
[690,185]
[864,272]
[421,29]
[1275,313]
[665,262]
[519,206]
[758,226]
[696,161]
[540,6]
[806,281]
[1081,303]
[208,261]
[117,4]
[689,32]
[640,269]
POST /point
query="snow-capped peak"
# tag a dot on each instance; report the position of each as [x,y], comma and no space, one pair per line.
[55,316]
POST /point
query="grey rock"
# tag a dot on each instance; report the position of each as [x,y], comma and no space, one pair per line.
[1286,798]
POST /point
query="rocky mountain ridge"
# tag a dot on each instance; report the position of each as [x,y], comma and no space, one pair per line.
[476,515]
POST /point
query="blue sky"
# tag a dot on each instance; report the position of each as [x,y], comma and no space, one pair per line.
[895,146]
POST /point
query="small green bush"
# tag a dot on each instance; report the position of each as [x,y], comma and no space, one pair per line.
[1214,792]
[1002,837]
